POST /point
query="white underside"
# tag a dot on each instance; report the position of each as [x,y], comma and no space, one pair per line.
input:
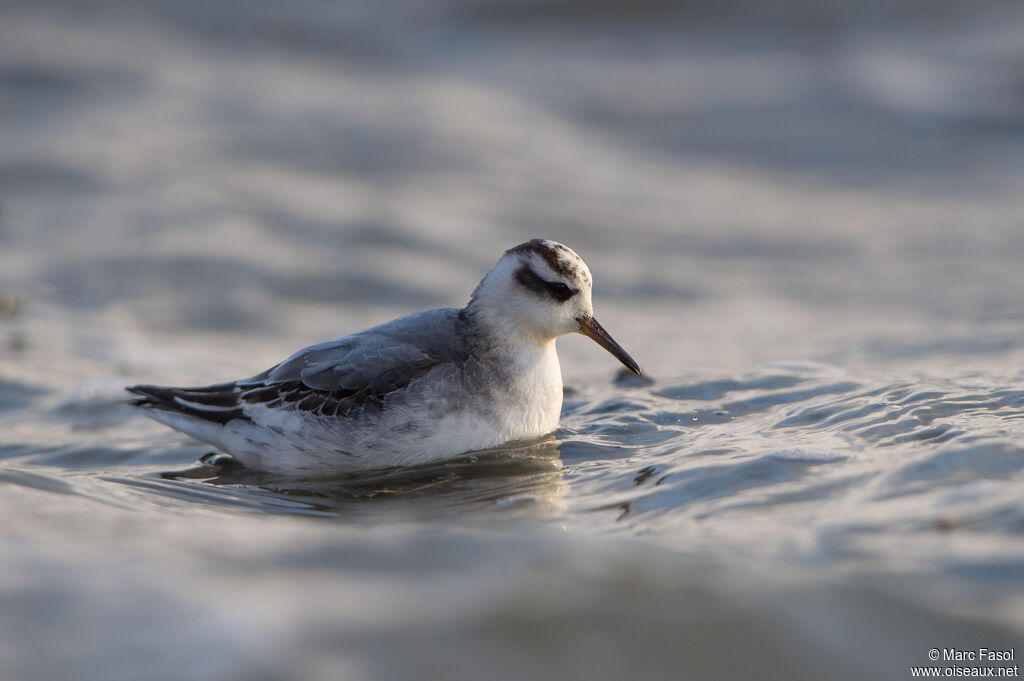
[415,430]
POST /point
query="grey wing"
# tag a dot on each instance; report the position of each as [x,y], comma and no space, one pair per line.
[370,364]
[377,361]
[327,379]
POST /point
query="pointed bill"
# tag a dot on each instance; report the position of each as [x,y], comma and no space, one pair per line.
[590,328]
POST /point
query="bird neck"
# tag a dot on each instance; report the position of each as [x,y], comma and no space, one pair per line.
[491,330]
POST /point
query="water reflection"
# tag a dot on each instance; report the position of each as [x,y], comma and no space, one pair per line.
[525,479]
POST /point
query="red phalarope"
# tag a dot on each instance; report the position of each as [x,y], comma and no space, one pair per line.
[421,388]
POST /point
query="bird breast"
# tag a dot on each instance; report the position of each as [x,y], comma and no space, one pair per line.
[536,391]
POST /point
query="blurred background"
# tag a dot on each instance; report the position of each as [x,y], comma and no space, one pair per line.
[804,219]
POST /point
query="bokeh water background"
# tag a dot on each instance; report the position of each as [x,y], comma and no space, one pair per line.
[804,219]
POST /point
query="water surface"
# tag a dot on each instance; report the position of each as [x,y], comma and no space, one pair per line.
[805,225]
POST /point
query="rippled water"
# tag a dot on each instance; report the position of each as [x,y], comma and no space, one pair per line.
[806,224]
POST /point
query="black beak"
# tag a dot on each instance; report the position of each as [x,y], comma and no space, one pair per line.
[590,328]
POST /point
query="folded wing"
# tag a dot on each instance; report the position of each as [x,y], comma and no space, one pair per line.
[328,379]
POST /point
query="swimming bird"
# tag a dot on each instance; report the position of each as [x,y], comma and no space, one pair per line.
[421,388]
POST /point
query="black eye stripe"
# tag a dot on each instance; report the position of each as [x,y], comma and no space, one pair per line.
[560,291]
[532,282]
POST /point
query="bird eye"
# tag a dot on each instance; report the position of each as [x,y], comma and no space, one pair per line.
[560,291]
[530,281]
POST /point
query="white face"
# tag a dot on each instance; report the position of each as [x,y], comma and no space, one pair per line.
[542,288]
[538,291]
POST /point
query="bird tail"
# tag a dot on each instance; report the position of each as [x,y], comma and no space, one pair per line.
[219,403]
